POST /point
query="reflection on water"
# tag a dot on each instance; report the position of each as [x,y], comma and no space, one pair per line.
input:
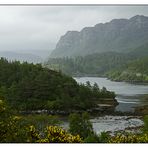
[128,95]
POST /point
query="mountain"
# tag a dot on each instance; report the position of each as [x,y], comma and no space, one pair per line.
[118,35]
[12,56]
[100,64]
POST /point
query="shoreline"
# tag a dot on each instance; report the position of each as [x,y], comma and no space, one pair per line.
[95,113]
[127,81]
[112,124]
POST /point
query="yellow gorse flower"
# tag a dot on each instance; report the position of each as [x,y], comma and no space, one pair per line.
[130,138]
[16,117]
[55,134]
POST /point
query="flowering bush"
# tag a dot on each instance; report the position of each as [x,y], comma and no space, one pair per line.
[53,134]
[129,138]
[13,129]
[10,128]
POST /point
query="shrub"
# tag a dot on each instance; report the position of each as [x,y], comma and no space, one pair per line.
[129,138]
[145,129]
[53,134]
[80,124]
[93,138]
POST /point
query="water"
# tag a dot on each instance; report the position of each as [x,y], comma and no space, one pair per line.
[128,95]
[113,124]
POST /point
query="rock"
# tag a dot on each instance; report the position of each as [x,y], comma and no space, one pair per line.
[117,35]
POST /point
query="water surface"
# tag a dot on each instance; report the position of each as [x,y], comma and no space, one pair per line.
[128,95]
[112,124]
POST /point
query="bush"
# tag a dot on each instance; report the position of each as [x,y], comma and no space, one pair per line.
[93,138]
[145,129]
[104,137]
[129,138]
[80,124]
[10,128]
[53,134]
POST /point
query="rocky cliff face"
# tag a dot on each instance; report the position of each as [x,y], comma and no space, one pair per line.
[119,35]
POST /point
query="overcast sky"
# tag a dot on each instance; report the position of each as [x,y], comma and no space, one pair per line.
[40,27]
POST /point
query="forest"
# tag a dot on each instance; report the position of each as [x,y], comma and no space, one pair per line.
[30,87]
[93,64]
[134,71]
[131,66]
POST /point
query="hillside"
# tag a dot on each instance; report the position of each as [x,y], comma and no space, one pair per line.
[134,71]
[90,65]
[96,64]
[30,87]
[118,35]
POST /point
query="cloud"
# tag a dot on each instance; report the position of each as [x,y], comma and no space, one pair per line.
[40,27]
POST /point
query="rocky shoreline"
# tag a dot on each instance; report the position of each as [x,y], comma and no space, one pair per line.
[117,124]
[113,124]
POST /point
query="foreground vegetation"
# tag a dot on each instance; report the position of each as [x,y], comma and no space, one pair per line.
[30,87]
[15,128]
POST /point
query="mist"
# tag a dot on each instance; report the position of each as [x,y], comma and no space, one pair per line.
[37,29]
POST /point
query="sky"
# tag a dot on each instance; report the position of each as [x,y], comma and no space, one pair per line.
[40,27]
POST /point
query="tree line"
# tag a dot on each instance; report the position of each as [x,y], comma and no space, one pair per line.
[130,66]
[33,87]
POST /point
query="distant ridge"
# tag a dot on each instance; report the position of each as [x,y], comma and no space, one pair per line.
[22,57]
[119,35]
